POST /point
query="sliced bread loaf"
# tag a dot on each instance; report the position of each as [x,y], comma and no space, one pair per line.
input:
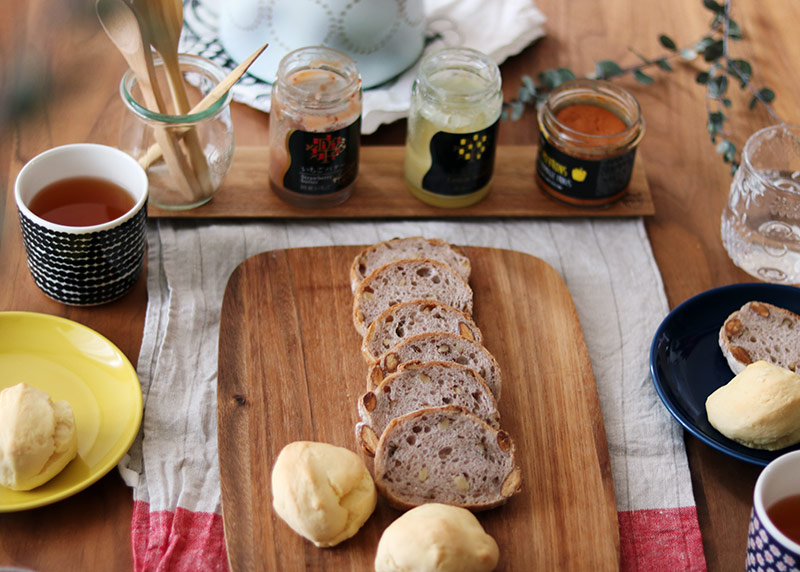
[415,317]
[405,280]
[445,455]
[761,331]
[438,346]
[417,385]
[382,253]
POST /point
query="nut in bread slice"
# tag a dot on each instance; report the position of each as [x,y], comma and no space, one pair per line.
[761,331]
[377,255]
[404,280]
[445,455]
[415,317]
[419,385]
[439,346]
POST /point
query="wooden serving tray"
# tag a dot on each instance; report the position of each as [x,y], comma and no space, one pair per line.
[381,192]
[290,368]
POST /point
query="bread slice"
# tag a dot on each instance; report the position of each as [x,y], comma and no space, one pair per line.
[415,317]
[438,346]
[405,280]
[761,331]
[377,255]
[418,385]
[445,455]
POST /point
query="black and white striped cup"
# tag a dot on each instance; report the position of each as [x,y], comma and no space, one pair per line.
[84,265]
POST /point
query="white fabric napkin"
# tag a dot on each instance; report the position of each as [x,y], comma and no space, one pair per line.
[498,28]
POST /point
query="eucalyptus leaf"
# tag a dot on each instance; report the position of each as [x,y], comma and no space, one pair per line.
[703,43]
[663,64]
[717,86]
[702,77]
[527,83]
[667,42]
[713,51]
[642,77]
[734,31]
[727,149]
[714,6]
[517,109]
[714,125]
[548,79]
[742,70]
[766,94]
[606,68]
[565,74]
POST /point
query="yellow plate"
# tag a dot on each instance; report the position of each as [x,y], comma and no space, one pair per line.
[72,362]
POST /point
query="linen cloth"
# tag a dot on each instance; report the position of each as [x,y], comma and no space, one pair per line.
[498,28]
[612,277]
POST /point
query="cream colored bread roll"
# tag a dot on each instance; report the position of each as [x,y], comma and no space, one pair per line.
[37,437]
[323,492]
[759,408]
[436,538]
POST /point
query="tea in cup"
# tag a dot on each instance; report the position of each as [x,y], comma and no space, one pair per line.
[773,539]
[82,211]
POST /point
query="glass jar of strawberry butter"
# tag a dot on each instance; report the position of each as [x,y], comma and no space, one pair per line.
[589,131]
[315,127]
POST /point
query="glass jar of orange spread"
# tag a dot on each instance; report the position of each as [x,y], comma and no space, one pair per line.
[315,127]
[589,131]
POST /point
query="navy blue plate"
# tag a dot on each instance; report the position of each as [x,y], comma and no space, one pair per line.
[687,365]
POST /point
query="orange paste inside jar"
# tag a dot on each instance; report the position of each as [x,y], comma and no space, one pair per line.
[590,119]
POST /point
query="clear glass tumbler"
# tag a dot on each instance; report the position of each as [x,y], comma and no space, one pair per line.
[761,222]
[201,153]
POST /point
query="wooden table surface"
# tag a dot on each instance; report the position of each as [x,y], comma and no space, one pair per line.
[44,44]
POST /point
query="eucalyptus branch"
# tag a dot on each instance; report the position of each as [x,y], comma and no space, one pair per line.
[714,49]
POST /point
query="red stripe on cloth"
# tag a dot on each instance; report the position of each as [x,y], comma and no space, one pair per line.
[180,541]
[656,540]
[661,540]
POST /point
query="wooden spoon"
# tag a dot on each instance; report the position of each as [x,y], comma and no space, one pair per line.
[122,26]
[219,90]
[163,20]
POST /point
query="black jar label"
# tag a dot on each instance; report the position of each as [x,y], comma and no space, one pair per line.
[580,178]
[322,163]
[461,163]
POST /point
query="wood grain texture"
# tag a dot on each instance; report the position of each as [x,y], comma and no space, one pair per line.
[380,192]
[290,368]
[687,179]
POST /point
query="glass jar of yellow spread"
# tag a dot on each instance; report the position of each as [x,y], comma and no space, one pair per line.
[453,120]
[315,127]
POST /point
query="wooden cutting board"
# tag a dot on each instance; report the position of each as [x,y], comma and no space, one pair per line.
[380,192]
[290,368]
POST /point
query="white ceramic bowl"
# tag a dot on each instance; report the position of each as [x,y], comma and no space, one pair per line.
[385,37]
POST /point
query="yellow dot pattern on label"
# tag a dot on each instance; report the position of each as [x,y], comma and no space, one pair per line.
[472,149]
